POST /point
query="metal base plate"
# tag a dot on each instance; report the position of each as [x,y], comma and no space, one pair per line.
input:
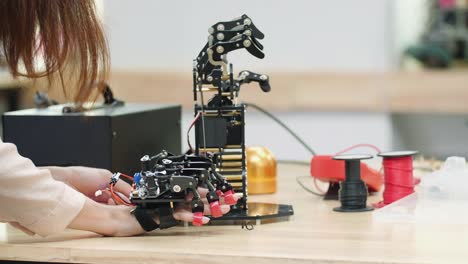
[258,211]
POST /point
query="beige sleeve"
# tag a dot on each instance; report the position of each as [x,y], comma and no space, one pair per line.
[32,198]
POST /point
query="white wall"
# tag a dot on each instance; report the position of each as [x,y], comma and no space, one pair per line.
[326,133]
[302,35]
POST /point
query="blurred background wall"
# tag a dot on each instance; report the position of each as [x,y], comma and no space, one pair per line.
[337,68]
[162,38]
[301,35]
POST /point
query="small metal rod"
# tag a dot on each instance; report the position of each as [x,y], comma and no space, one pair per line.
[210,186]
[202,116]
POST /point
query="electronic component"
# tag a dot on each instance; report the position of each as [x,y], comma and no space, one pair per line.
[165,180]
[109,135]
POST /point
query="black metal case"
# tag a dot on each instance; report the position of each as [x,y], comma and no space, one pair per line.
[109,137]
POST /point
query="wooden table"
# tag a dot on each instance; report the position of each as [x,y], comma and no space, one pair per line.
[315,234]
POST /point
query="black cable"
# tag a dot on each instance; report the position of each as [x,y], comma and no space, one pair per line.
[312,152]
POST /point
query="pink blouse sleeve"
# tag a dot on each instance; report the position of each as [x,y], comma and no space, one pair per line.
[32,198]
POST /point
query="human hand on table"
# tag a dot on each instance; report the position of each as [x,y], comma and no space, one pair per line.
[89,180]
[102,215]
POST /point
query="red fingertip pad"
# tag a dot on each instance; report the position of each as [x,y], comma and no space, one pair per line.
[229,198]
[215,209]
[197,219]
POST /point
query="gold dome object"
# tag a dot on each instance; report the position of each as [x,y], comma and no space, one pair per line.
[261,171]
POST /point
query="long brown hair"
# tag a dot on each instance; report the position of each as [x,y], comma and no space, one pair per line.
[60,32]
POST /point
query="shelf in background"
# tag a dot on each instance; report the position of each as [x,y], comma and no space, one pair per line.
[435,91]
[427,91]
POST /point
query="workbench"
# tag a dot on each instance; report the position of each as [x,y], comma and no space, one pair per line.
[315,234]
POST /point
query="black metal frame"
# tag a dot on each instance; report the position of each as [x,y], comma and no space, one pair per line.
[219,160]
[213,132]
[221,149]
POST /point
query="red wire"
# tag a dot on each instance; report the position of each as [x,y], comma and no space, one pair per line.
[190,128]
[362,145]
[117,198]
[358,146]
[323,192]
[126,176]
[399,180]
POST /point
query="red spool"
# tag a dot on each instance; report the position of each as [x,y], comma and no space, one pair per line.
[398,171]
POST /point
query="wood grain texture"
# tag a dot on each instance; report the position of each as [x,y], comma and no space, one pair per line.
[315,234]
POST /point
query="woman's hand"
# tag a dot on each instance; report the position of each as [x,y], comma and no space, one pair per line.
[111,220]
[89,180]
[114,220]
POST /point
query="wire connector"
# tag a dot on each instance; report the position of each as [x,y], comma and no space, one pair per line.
[115,178]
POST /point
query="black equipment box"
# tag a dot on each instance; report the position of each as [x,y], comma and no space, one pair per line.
[108,137]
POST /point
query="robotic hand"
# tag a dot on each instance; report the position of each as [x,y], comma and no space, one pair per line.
[210,66]
[236,24]
[262,79]
[229,31]
[165,180]
[243,78]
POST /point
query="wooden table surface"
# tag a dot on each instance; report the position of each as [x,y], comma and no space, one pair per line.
[315,234]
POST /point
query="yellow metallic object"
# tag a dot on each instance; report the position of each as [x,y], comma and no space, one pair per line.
[261,171]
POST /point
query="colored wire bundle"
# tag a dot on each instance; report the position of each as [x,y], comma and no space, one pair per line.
[116,196]
[358,146]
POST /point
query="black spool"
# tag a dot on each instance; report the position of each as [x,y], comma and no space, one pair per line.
[353,190]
